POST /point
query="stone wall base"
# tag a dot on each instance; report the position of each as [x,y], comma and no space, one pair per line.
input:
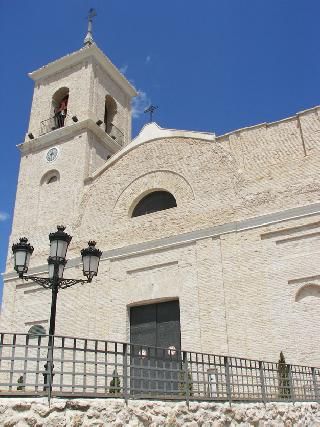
[35,412]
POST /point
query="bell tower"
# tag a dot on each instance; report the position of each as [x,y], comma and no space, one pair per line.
[80,116]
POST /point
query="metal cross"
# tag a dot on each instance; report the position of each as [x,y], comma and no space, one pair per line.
[92,13]
[89,39]
[151,110]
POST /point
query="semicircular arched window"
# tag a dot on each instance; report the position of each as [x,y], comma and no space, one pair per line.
[36,330]
[50,177]
[154,202]
[54,178]
[310,290]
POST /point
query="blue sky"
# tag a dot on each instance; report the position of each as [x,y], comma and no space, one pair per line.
[212,65]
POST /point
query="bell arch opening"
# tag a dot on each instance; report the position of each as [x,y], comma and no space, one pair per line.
[60,107]
[110,110]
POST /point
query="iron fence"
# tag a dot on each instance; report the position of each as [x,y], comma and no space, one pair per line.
[81,367]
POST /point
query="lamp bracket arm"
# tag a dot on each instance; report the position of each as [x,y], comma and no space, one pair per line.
[47,283]
[67,283]
[42,281]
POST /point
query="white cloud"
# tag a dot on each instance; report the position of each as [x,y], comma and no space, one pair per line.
[3,216]
[139,104]
[124,68]
[148,59]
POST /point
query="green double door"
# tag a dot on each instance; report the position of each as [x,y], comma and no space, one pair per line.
[155,352]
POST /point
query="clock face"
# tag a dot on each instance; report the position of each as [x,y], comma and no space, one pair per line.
[52,154]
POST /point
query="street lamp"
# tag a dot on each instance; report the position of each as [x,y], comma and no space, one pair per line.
[59,242]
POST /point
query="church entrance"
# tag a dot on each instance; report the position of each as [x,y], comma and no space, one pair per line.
[155,370]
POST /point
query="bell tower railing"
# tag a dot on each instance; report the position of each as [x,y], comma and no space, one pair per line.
[55,122]
[115,133]
[59,121]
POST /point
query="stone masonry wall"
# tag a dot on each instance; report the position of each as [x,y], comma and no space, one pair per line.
[238,292]
[114,412]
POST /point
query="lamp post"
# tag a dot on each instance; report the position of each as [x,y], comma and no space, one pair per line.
[59,242]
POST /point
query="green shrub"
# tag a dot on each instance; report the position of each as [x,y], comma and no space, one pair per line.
[20,381]
[115,386]
[182,383]
[283,379]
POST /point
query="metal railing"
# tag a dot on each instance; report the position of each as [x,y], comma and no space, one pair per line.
[115,133]
[95,368]
[52,123]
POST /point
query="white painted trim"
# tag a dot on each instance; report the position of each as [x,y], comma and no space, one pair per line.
[55,136]
[191,237]
[136,143]
[80,56]
[153,131]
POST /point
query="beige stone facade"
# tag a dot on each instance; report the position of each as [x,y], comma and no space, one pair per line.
[240,251]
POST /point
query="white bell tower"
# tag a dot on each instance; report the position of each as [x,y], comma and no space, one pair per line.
[80,116]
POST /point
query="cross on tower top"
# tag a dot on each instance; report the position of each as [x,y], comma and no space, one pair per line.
[89,39]
[151,110]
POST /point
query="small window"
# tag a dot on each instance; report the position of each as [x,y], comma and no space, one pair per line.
[36,330]
[54,178]
[50,177]
[154,202]
[308,291]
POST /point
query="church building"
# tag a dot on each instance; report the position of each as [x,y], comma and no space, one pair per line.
[210,243]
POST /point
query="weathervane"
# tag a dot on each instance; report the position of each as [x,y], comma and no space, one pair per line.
[151,110]
[89,39]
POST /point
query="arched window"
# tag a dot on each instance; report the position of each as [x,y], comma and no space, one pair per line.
[310,290]
[153,202]
[110,110]
[36,330]
[54,178]
[50,177]
[60,107]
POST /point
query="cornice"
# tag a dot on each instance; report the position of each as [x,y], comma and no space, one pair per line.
[166,243]
[58,135]
[269,124]
[79,56]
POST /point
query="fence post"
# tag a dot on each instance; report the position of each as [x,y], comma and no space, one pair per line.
[315,385]
[262,381]
[50,367]
[125,372]
[186,377]
[291,391]
[227,374]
